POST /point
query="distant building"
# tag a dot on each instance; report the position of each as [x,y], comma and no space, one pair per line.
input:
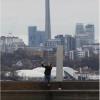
[61,38]
[36,37]
[85,51]
[71,55]
[50,56]
[19,63]
[84,35]
[80,28]
[81,39]
[82,53]
[52,43]
[93,48]
[69,43]
[10,44]
[89,29]
[78,54]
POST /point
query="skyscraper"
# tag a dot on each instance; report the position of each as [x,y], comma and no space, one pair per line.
[80,28]
[36,37]
[31,31]
[69,43]
[84,35]
[90,30]
[47,19]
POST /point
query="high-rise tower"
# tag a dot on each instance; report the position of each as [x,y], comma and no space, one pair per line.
[47,19]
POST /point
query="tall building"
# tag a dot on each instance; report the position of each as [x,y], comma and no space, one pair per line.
[69,43]
[80,28]
[47,19]
[84,35]
[89,29]
[81,39]
[80,35]
[31,31]
[36,37]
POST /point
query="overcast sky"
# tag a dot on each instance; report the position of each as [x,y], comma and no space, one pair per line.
[17,15]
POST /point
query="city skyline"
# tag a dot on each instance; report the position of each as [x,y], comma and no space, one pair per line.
[61,23]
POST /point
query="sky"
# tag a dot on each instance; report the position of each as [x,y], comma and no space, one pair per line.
[17,15]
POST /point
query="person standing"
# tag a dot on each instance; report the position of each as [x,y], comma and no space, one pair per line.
[47,72]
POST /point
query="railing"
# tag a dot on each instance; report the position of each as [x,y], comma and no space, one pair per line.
[70,90]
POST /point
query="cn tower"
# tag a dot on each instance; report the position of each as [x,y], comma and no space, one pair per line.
[47,19]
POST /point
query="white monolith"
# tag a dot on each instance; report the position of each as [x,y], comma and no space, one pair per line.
[59,63]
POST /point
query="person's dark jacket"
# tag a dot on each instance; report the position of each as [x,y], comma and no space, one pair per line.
[48,69]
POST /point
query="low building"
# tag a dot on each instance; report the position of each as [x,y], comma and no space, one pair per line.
[93,48]
[77,54]
[10,44]
[52,43]
[80,53]
[71,55]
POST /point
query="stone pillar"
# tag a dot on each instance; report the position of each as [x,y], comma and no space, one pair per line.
[59,63]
